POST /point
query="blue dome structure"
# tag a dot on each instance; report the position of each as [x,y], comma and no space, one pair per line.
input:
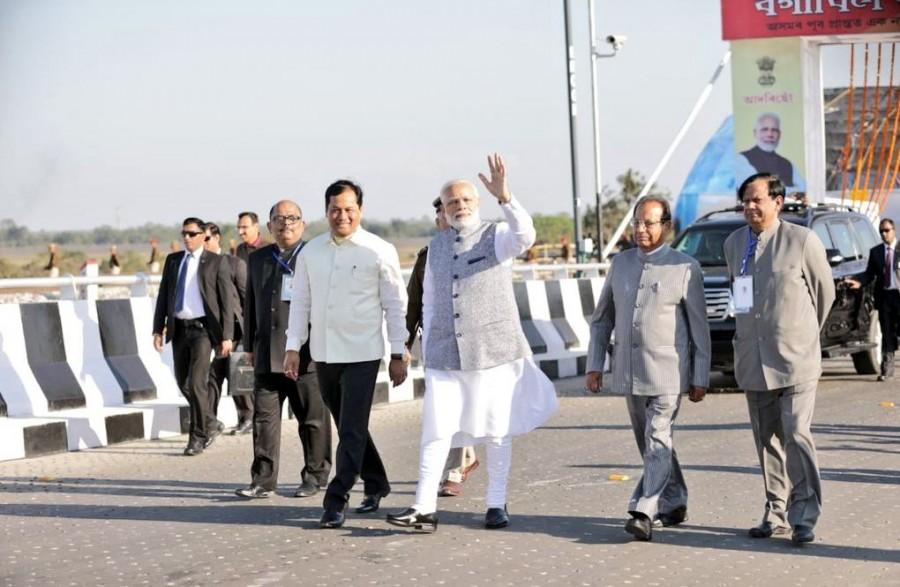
[712,175]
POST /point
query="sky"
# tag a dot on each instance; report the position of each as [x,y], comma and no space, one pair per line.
[122,112]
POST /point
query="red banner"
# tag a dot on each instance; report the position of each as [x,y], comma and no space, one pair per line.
[756,19]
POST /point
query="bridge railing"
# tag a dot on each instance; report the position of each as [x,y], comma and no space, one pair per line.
[73,287]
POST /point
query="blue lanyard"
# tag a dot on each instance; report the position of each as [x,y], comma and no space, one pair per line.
[287,266]
[749,252]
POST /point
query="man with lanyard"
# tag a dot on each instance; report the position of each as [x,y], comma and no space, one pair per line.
[783,291]
[882,269]
[269,277]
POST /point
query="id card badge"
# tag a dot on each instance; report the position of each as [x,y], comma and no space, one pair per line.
[742,294]
[287,283]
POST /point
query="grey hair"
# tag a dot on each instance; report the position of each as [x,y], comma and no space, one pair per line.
[765,115]
[455,182]
[664,203]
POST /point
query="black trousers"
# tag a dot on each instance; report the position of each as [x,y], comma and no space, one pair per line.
[218,373]
[347,389]
[313,427]
[191,348]
[889,319]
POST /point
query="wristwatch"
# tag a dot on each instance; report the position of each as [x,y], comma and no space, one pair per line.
[396,357]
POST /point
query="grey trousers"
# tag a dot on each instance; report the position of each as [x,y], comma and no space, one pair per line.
[781,420]
[661,488]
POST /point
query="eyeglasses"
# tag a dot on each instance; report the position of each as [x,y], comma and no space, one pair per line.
[286,220]
[190,233]
[206,239]
[648,224]
[883,230]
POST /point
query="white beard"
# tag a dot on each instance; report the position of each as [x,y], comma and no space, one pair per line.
[768,148]
[471,221]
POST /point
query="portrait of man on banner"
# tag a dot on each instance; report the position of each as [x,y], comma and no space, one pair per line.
[763,157]
[767,94]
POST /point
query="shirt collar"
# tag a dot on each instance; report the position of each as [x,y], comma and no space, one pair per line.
[765,235]
[196,254]
[644,255]
[290,249]
[340,240]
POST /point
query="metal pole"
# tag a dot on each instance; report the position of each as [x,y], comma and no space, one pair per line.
[704,95]
[598,193]
[573,143]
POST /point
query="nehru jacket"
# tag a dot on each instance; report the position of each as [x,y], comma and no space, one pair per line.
[776,343]
[656,306]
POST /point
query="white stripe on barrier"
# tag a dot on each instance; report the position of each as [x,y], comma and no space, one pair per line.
[84,354]
[102,391]
[571,299]
[540,315]
[21,391]
[13,432]
[160,372]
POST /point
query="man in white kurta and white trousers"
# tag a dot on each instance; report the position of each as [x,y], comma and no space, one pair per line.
[481,384]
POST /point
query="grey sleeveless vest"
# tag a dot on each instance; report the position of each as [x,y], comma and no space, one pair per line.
[475,322]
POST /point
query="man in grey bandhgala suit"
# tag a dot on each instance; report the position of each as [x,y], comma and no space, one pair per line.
[782,292]
[653,300]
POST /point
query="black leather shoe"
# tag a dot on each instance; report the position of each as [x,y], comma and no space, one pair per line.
[880,378]
[802,534]
[673,518]
[243,427]
[220,426]
[194,448]
[370,504]
[411,518]
[496,518]
[332,517]
[213,434]
[767,530]
[253,492]
[307,489]
[640,527]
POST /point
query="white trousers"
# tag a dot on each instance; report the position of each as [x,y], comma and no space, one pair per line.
[433,455]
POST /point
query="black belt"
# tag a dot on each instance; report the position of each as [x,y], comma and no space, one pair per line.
[192,323]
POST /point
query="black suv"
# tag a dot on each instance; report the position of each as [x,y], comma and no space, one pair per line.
[852,325]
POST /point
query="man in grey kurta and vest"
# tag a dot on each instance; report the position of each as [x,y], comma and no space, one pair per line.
[653,300]
[782,291]
[481,384]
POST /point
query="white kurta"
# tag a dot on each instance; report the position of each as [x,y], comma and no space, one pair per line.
[486,405]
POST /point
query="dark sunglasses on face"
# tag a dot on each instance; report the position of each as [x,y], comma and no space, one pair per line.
[885,230]
[190,233]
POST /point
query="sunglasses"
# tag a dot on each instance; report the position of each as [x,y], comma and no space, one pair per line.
[882,230]
[190,233]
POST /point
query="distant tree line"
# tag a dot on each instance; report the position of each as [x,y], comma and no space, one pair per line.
[13,235]
[551,228]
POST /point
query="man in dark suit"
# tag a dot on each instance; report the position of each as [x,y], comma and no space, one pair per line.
[218,371]
[882,269]
[195,311]
[270,274]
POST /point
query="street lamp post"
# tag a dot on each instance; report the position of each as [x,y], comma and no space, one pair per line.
[573,143]
[616,42]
